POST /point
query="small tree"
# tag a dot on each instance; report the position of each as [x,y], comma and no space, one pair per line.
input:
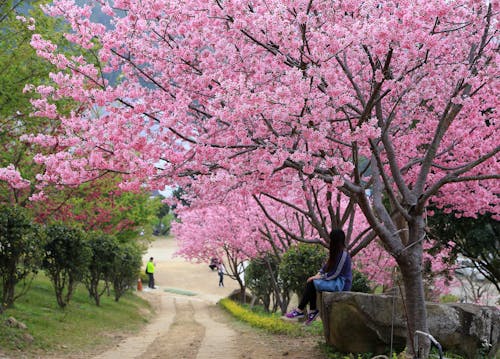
[65,260]
[299,263]
[126,267]
[104,249]
[478,239]
[261,277]
[19,252]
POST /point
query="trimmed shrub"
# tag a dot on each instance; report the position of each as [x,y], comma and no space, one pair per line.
[66,259]
[104,249]
[299,263]
[20,253]
[126,268]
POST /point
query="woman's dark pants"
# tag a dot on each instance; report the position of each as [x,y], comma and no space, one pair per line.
[309,297]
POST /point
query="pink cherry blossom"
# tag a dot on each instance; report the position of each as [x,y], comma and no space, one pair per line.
[13,178]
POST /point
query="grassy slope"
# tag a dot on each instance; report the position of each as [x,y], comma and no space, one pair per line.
[81,326]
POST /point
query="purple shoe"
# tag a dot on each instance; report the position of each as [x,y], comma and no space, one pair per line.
[311,317]
[295,314]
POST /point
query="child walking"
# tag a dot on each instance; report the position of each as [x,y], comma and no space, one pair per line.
[220,270]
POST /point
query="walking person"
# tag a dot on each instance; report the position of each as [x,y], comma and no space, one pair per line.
[150,270]
[220,270]
[334,276]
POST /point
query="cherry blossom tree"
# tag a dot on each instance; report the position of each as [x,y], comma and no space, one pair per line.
[391,103]
[18,172]
[19,64]
[227,232]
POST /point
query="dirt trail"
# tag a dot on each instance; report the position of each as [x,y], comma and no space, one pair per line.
[189,325]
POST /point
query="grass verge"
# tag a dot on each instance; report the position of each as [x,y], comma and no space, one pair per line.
[81,326]
[270,322]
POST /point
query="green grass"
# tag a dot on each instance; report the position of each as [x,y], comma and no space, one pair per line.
[80,326]
[180,291]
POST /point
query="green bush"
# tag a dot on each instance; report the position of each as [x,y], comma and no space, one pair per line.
[299,263]
[126,268]
[80,328]
[20,253]
[259,281]
[104,249]
[66,259]
[261,277]
[360,282]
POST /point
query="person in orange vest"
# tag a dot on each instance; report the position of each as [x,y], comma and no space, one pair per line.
[150,269]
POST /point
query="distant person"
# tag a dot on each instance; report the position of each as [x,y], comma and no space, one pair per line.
[220,270]
[214,263]
[334,276]
[150,270]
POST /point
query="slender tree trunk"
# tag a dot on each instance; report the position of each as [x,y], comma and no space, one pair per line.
[59,283]
[9,285]
[9,295]
[277,293]
[9,282]
[93,289]
[97,299]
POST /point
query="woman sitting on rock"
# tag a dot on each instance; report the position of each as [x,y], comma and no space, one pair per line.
[334,276]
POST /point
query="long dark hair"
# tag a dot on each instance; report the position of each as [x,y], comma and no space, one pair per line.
[337,245]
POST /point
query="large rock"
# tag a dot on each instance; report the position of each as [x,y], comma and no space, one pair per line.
[236,296]
[363,323]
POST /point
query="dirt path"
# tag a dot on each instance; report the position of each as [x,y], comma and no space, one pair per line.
[189,325]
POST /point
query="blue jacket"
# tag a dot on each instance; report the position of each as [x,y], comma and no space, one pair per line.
[341,269]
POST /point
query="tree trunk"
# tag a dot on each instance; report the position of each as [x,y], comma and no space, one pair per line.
[60,300]
[279,300]
[410,264]
[119,289]
[71,288]
[59,284]
[9,285]
[242,290]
